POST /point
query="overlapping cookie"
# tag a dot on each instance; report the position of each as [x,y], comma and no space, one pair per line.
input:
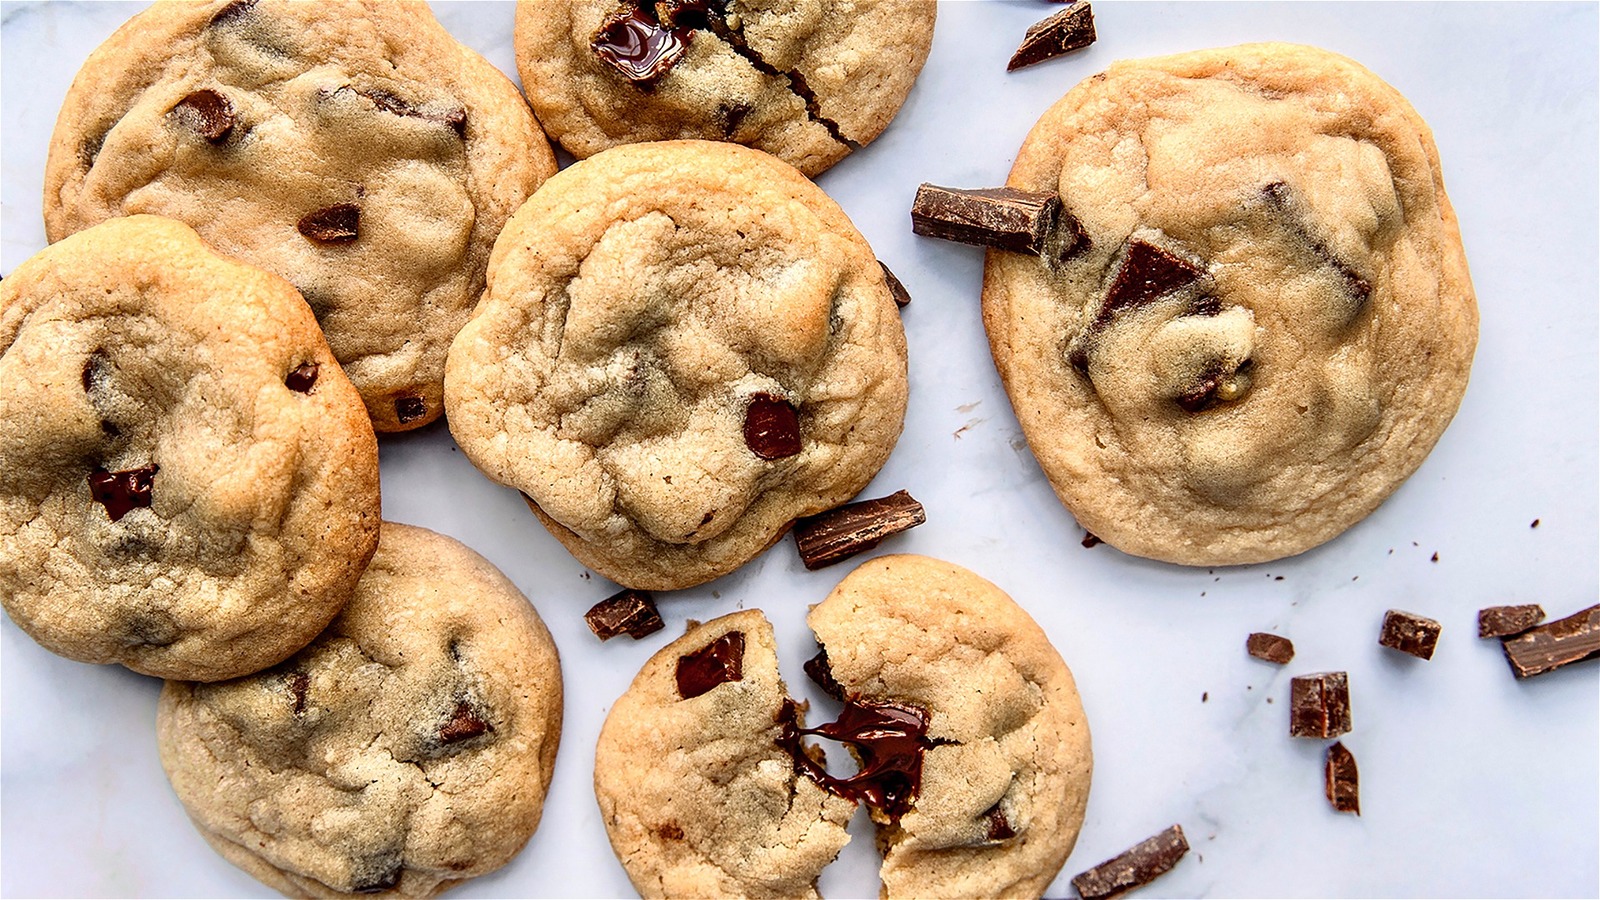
[683,347]
[405,750]
[351,146]
[806,81]
[191,486]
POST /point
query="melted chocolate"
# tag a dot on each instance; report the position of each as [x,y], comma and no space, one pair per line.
[302,379]
[718,662]
[463,724]
[999,828]
[771,427]
[890,738]
[635,43]
[122,492]
[818,670]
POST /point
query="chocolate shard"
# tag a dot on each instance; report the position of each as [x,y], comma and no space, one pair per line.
[409,409]
[1340,780]
[1319,705]
[1270,647]
[464,723]
[1507,621]
[771,427]
[628,612]
[902,297]
[1409,633]
[122,492]
[819,671]
[718,662]
[1555,644]
[854,528]
[209,113]
[337,224]
[637,45]
[1070,29]
[1139,865]
[303,378]
[1004,218]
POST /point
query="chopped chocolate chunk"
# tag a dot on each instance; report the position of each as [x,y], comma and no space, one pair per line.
[1148,273]
[409,409]
[1505,621]
[1284,199]
[1409,633]
[1270,647]
[818,670]
[771,427]
[1139,865]
[999,828]
[1004,218]
[889,738]
[854,528]
[1070,29]
[633,42]
[902,297]
[1555,644]
[303,378]
[337,224]
[720,661]
[465,723]
[1319,705]
[298,683]
[1340,779]
[122,492]
[208,112]
[232,13]
[628,612]
[1091,540]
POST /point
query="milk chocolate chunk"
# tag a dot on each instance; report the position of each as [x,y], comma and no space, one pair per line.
[889,738]
[902,297]
[1004,218]
[628,612]
[1070,29]
[716,663]
[637,45]
[1340,780]
[771,427]
[337,224]
[1409,633]
[1139,865]
[303,378]
[1506,621]
[208,112]
[855,527]
[1555,644]
[409,409]
[464,723]
[1319,705]
[1270,647]
[123,492]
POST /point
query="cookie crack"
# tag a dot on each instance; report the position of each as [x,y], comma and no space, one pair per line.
[796,81]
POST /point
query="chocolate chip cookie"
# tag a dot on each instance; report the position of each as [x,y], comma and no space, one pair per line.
[807,81]
[1267,322]
[407,749]
[683,347]
[191,483]
[351,146]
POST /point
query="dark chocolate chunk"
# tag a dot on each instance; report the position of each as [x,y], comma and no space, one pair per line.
[302,379]
[1090,540]
[299,684]
[1555,644]
[409,409]
[1070,29]
[209,113]
[232,13]
[1409,633]
[1506,621]
[337,224]
[718,662]
[1340,780]
[771,427]
[122,492]
[1284,200]
[818,670]
[999,828]
[1141,864]
[902,297]
[1319,705]
[636,44]
[854,528]
[464,724]
[1148,273]
[889,738]
[1270,647]
[1004,218]
[628,612]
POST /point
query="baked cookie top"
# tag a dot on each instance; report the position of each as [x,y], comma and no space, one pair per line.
[351,146]
[683,347]
[406,749]
[805,80]
[1271,322]
[191,483]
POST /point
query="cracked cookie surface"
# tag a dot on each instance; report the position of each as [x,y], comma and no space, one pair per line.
[408,748]
[683,347]
[191,483]
[807,81]
[350,146]
[1273,322]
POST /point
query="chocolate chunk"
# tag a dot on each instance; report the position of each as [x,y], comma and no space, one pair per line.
[717,23]
[1506,621]
[720,661]
[208,112]
[1141,864]
[232,13]
[889,738]
[1319,705]
[999,828]
[1070,29]
[771,427]
[902,297]
[634,43]
[1004,218]
[1148,273]
[464,724]
[302,379]
[122,492]
[1340,780]
[337,224]
[1090,540]
[1409,633]
[1270,647]
[299,684]
[409,409]
[818,670]
[627,612]
[1284,199]
[455,119]
[1555,644]
[854,528]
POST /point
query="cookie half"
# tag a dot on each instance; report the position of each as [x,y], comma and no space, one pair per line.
[351,146]
[191,483]
[407,749]
[1270,321]
[806,81]
[683,347]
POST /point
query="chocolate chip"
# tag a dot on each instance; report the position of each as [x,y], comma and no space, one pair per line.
[464,724]
[1319,705]
[818,670]
[1555,644]
[902,297]
[627,612]
[716,663]
[409,409]
[771,427]
[337,224]
[1340,780]
[1505,621]
[122,492]
[1070,29]
[1139,865]
[1004,218]
[232,13]
[999,828]
[890,740]
[208,113]
[634,43]
[854,528]
[1270,647]
[302,379]
[1409,633]
[299,684]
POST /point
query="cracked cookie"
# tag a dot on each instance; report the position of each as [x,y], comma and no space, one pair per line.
[350,146]
[972,747]
[191,483]
[1269,321]
[407,749]
[683,347]
[806,81]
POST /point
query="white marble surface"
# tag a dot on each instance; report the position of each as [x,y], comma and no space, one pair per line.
[1473,784]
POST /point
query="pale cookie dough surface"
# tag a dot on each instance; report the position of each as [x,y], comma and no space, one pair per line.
[696,795]
[639,306]
[407,749]
[406,150]
[805,80]
[190,484]
[1325,343]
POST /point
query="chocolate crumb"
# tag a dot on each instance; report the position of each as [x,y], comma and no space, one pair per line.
[841,533]
[1535,524]
[1409,633]
[1204,696]
[1508,621]
[1436,557]
[1340,780]
[1555,644]
[1070,29]
[1139,865]
[1270,647]
[1319,705]
[337,224]
[627,612]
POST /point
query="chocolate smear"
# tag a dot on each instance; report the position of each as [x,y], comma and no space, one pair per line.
[337,224]
[1319,705]
[628,612]
[889,738]
[716,663]
[1005,218]
[1141,864]
[464,724]
[902,297]
[303,378]
[1555,644]
[854,528]
[1270,647]
[209,113]
[1409,633]
[377,874]
[1070,29]
[1506,621]
[1340,779]
[771,427]
[122,492]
